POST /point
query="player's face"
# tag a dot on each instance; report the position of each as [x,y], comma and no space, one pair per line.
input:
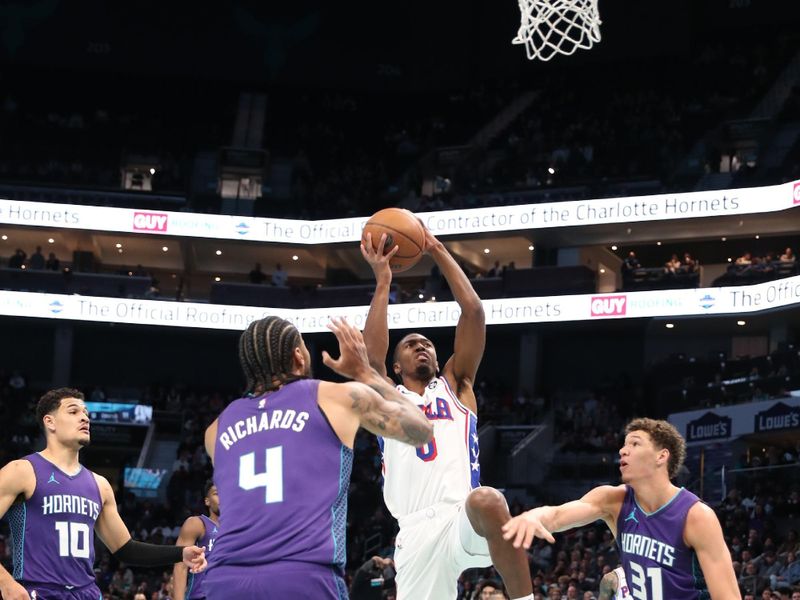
[70,423]
[416,357]
[212,500]
[639,458]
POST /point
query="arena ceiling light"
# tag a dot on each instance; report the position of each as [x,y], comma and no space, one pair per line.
[614,248]
[164,248]
[758,237]
[741,323]
[486,251]
[118,245]
[530,247]
[152,171]
[218,253]
[51,241]
[658,243]
[670,325]
[5,237]
[295,257]
[217,278]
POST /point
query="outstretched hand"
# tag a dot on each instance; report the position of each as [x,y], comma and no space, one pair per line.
[353,359]
[377,259]
[194,557]
[521,530]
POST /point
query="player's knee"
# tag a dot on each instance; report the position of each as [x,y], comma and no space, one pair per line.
[486,502]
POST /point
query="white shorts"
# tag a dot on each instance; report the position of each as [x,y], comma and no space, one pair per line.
[434,546]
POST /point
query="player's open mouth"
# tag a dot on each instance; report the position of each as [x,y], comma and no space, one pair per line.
[85,429]
[424,356]
[623,464]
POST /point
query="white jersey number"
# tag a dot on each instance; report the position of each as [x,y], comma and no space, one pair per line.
[639,582]
[73,539]
[271,479]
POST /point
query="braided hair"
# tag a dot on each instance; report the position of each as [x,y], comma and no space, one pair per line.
[266,351]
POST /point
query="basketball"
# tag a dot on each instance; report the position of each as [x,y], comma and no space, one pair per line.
[402,229]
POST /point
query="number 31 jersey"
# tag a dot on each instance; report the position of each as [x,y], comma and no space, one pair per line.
[282,476]
[52,533]
[446,469]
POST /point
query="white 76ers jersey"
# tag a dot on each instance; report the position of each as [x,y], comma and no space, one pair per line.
[446,469]
[623,592]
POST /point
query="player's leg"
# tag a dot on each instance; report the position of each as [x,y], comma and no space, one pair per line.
[425,571]
[487,511]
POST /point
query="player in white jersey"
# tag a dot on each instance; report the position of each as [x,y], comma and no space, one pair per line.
[448,523]
[614,586]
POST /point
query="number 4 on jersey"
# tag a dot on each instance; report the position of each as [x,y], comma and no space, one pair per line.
[271,479]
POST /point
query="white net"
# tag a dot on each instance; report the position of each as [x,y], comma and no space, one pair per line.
[551,27]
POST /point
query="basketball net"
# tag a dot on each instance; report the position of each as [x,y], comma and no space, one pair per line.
[551,27]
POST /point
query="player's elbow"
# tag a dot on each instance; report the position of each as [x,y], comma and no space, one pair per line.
[473,309]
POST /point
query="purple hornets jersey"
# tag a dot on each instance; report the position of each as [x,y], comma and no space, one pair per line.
[52,533]
[194,583]
[282,476]
[658,564]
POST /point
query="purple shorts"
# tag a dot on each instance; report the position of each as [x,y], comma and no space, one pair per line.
[49,591]
[277,581]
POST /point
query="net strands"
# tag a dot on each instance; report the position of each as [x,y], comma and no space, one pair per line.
[552,27]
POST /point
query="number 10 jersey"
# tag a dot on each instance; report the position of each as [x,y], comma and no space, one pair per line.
[52,533]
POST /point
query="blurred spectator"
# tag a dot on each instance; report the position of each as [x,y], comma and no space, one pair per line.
[17,260]
[279,276]
[257,276]
[36,261]
[52,263]
[788,256]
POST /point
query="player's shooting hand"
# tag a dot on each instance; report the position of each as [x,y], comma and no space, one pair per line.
[377,259]
[194,557]
[524,528]
[14,591]
[353,359]
[431,240]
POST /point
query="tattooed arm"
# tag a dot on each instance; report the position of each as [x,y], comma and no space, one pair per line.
[369,401]
[608,586]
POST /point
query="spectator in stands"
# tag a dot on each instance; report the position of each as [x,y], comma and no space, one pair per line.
[495,270]
[489,590]
[745,259]
[52,263]
[257,276]
[690,264]
[279,277]
[631,263]
[36,261]
[673,265]
[17,260]
[788,256]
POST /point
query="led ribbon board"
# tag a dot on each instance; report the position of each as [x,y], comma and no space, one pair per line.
[658,207]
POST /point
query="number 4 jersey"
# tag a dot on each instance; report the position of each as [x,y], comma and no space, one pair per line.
[658,564]
[52,533]
[446,469]
[282,476]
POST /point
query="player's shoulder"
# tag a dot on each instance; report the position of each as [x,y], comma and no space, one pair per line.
[701,514]
[194,523]
[102,483]
[18,470]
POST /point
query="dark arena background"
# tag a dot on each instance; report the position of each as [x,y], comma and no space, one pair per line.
[628,214]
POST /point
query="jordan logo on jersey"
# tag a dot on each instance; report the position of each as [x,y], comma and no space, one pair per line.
[632,517]
[53,478]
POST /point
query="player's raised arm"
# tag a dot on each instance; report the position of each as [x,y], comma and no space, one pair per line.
[191,530]
[369,401]
[376,329]
[703,533]
[602,502]
[16,478]
[114,534]
[470,338]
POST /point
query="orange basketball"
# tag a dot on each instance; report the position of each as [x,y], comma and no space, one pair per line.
[402,229]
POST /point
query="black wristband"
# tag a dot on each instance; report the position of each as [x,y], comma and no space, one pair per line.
[141,554]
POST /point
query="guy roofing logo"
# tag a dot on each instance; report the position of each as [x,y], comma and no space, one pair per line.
[707,301]
[150,221]
[609,306]
[796,193]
